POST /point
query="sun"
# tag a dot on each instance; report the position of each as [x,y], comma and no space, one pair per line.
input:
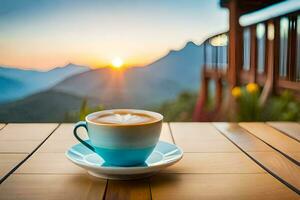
[117,62]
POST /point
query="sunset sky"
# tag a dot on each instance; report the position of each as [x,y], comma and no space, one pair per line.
[48,33]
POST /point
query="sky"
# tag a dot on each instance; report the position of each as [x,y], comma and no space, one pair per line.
[43,34]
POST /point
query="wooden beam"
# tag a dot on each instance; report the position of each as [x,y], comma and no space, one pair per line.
[253,54]
[235,43]
[219,94]
[276,54]
[203,93]
[269,63]
[292,42]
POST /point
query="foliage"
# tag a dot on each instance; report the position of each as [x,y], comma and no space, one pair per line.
[277,108]
[179,109]
[84,110]
[282,108]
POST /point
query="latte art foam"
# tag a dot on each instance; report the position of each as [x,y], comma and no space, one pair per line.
[123,118]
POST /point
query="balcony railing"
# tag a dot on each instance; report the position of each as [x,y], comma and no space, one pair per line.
[270,55]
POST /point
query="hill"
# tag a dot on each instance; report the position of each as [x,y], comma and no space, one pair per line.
[50,106]
[135,87]
[18,83]
[140,86]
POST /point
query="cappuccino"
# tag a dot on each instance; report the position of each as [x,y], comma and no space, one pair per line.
[123,117]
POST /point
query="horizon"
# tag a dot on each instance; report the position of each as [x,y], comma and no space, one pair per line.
[104,66]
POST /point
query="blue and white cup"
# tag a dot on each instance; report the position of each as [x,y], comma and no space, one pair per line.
[119,143]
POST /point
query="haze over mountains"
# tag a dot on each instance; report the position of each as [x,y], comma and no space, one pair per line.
[136,87]
[17,83]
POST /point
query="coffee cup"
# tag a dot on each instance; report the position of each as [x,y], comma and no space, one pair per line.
[122,137]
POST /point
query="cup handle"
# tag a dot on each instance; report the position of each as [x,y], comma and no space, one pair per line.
[82,124]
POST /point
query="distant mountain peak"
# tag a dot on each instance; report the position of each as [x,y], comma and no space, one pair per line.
[70,65]
[190,44]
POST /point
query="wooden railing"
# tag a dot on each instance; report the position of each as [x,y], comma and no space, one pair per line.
[270,55]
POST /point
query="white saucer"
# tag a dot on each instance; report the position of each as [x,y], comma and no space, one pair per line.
[164,155]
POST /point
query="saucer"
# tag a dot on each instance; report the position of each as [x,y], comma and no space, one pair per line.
[164,155]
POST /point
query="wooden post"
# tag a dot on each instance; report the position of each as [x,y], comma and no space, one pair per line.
[219,93]
[276,54]
[267,44]
[253,54]
[199,114]
[272,60]
[292,42]
[235,44]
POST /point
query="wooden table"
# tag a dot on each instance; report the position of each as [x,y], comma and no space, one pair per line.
[221,161]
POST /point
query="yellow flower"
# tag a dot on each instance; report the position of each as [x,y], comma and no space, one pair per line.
[252,88]
[236,92]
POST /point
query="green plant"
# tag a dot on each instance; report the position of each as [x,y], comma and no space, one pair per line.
[277,108]
[282,108]
[179,109]
[83,111]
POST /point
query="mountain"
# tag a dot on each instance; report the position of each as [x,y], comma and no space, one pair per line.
[135,87]
[18,83]
[49,106]
[138,87]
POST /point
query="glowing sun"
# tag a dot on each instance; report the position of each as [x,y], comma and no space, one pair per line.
[117,62]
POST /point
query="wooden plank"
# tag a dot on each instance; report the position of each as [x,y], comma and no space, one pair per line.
[56,146]
[274,138]
[200,137]
[21,132]
[49,163]
[133,189]
[1,126]
[291,129]
[247,142]
[276,162]
[8,162]
[219,186]
[16,146]
[51,187]
[65,132]
[296,155]
[166,134]
[23,138]
[215,163]
[62,139]
[273,161]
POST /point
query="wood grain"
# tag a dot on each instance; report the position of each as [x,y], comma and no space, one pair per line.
[1,126]
[200,137]
[49,163]
[215,163]
[291,129]
[51,187]
[21,132]
[274,138]
[133,189]
[247,142]
[62,139]
[56,146]
[65,132]
[219,186]
[8,162]
[17,146]
[277,164]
